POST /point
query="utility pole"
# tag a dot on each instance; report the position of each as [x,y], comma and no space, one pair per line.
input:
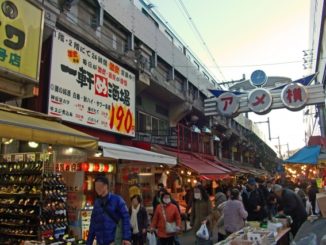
[279,145]
[269,127]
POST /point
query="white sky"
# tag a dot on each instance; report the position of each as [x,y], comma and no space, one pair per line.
[243,36]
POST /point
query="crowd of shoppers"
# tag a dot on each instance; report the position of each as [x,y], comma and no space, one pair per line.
[252,201]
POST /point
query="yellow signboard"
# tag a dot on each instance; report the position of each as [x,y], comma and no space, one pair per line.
[20,37]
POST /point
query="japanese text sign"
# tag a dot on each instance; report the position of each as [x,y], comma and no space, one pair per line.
[260,100]
[228,104]
[294,96]
[89,89]
[20,38]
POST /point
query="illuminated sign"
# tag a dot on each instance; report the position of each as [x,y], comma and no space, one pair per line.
[88,88]
[20,38]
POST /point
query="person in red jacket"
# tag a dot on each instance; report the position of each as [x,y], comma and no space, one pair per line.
[166,212]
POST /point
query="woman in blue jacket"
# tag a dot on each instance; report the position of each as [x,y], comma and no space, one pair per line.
[108,210]
[138,221]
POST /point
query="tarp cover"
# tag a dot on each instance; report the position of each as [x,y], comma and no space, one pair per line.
[306,155]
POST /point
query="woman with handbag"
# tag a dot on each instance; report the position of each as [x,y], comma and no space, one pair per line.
[200,212]
[138,221]
[166,220]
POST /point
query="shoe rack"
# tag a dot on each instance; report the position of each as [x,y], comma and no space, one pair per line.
[32,203]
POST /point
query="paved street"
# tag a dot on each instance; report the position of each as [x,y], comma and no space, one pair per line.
[189,238]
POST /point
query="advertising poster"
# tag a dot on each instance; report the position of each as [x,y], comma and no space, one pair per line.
[20,38]
[89,89]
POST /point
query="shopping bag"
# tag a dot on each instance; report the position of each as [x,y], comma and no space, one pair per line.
[151,238]
[171,227]
[203,232]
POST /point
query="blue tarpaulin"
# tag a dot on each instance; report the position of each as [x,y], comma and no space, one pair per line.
[306,155]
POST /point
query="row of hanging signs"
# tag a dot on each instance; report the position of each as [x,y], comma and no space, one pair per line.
[293,96]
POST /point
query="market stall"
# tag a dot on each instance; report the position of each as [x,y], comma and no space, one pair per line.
[306,164]
[34,197]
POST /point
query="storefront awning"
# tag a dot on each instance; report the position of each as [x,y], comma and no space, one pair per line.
[135,154]
[20,125]
[306,155]
[194,162]
[200,166]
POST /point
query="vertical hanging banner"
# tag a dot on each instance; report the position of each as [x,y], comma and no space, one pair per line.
[89,89]
[20,38]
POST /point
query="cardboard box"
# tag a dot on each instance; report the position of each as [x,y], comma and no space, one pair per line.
[321,201]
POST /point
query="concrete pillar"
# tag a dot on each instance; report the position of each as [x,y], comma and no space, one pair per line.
[179,111]
[220,155]
[212,146]
[241,157]
[232,154]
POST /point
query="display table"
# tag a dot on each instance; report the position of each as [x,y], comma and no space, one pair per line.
[249,236]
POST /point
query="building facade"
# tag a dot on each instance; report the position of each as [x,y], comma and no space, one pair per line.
[170,83]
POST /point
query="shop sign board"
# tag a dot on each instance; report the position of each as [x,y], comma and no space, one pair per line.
[260,100]
[89,89]
[293,96]
[20,38]
[227,104]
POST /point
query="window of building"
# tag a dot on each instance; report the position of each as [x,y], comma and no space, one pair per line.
[144,122]
[149,124]
[155,127]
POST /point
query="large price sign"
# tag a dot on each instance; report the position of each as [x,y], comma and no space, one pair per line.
[89,89]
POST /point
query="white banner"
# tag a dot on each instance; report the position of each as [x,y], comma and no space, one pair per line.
[89,89]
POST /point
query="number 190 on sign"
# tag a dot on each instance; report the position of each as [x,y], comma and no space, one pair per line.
[121,118]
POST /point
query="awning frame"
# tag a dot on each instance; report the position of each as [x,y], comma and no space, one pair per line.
[21,124]
[124,152]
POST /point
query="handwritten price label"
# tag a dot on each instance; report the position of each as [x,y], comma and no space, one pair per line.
[121,118]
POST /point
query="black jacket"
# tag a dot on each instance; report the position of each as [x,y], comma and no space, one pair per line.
[142,219]
[292,205]
[252,199]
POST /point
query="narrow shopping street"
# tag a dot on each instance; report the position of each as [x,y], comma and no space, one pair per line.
[123,122]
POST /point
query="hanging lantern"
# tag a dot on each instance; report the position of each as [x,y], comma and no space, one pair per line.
[85,166]
[101,167]
[96,167]
[91,167]
[106,168]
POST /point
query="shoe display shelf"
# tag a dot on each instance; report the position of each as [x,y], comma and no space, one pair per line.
[32,203]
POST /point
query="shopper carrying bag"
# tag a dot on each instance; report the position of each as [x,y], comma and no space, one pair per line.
[166,220]
[151,238]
